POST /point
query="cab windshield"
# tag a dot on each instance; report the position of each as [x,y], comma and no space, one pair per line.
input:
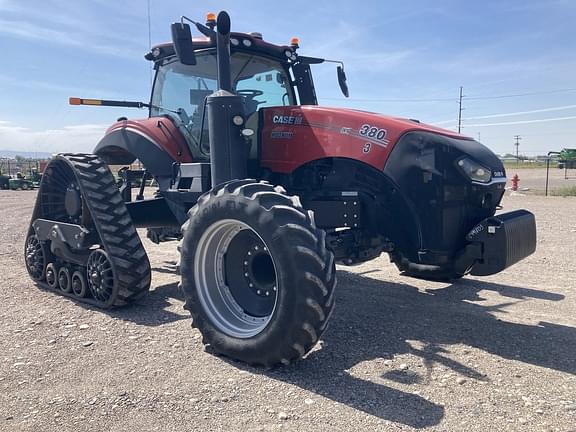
[262,83]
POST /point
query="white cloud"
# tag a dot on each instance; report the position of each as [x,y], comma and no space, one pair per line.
[31,31]
[73,138]
[54,87]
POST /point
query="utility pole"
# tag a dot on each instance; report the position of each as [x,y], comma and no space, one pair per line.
[460,110]
[517,144]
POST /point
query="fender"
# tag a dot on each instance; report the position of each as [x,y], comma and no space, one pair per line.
[156,142]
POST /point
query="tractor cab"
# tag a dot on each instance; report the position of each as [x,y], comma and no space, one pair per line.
[263,74]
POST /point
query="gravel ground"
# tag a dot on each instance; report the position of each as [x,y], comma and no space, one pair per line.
[497,353]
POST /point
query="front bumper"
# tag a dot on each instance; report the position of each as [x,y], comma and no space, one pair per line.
[498,242]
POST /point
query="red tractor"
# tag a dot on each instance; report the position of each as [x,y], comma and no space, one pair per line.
[266,191]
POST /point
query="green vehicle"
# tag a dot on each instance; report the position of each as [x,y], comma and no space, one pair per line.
[567,158]
[4,182]
[20,183]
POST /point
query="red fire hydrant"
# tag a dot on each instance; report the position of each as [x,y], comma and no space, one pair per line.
[515,181]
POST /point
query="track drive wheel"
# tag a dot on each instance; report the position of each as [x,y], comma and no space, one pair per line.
[256,274]
[102,280]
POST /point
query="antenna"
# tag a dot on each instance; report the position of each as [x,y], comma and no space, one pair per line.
[150,40]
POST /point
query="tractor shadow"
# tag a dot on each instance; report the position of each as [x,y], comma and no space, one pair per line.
[375,319]
[153,309]
[168,267]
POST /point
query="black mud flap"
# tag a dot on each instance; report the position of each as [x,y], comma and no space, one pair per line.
[505,239]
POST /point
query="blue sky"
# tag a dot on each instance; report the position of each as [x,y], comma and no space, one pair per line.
[402,58]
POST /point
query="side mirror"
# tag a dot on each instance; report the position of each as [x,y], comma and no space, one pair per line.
[182,39]
[342,80]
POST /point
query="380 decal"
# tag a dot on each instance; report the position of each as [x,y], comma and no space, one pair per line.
[372,132]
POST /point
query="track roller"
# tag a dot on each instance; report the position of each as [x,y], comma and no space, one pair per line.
[64,280]
[79,286]
[52,276]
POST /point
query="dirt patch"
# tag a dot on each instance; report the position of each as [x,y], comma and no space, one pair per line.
[497,353]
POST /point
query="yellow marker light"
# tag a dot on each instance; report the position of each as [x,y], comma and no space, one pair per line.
[74,101]
[295,42]
[91,102]
[210,17]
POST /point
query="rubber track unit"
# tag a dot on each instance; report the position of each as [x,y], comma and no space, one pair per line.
[110,217]
[309,273]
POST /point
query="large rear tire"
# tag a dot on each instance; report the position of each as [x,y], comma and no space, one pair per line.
[256,274]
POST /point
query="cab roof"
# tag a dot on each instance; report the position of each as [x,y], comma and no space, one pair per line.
[248,42]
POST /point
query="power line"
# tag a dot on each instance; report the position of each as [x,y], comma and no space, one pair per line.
[571,132]
[390,100]
[451,99]
[521,94]
[510,114]
[524,122]
[519,113]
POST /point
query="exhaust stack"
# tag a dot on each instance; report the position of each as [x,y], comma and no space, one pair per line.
[228,149]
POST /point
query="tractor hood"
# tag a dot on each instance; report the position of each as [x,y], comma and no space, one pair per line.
[294,135]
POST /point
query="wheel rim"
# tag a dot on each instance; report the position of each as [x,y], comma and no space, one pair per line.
[35,258]
[100,276]
[64,280]
[223,275]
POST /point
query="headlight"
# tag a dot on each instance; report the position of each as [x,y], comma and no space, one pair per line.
[475,171]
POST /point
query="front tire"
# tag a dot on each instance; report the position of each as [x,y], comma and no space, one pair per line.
[256,274]
[432,273]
